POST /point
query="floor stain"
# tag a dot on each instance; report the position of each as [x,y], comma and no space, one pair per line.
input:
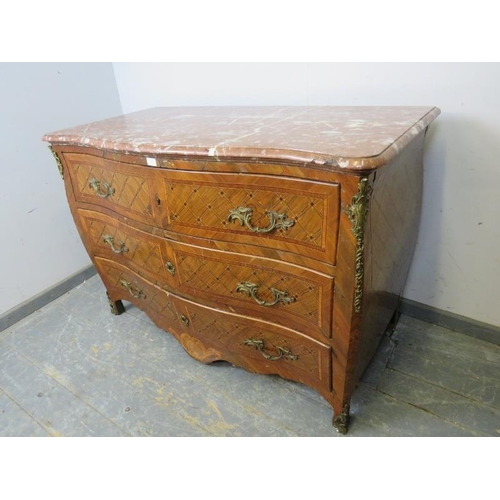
[220,427]
[164,400]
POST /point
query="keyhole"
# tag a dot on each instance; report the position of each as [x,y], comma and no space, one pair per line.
[158,201]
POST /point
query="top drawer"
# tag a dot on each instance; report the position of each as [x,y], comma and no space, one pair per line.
[121,187]
[278,213]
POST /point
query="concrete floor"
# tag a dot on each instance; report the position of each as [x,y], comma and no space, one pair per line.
[73,369]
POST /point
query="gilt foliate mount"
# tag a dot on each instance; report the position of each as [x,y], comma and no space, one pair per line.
[357,213]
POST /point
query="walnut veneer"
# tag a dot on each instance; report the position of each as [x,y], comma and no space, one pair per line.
[278,239]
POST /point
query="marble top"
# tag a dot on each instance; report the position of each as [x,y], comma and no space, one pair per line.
[355,138]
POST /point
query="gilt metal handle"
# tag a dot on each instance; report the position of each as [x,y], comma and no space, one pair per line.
[107,189]
[251,289]
[244,216]
[107,238]
[185,321]
[283,351]
[134,291]
[170,267]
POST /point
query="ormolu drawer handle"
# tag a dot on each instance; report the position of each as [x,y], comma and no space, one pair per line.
[107,191]
[283,351]
[244,215]
[134,291]
[170,267]
[107,238]
[251,290]
[184,320]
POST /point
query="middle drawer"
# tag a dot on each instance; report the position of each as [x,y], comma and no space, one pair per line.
[278,292]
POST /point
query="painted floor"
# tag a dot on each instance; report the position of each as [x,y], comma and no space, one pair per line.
[73,369]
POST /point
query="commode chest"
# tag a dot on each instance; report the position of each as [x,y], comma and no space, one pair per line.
[278,239]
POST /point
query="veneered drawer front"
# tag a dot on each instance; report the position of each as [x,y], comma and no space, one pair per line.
[273,291]
[125,284]
[146,254]
[280,213]
[126,189]
[209,334]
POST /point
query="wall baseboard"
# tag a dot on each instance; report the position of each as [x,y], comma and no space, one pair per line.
[462,324]
[43,298]
[468,326]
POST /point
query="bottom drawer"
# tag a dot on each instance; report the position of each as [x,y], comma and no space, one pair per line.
[209,335]
[261,347]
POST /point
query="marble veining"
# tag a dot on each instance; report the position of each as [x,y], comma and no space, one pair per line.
[343,137]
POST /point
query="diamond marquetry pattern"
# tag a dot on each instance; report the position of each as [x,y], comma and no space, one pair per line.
[131,192]
[156,300]
[221,278]
[209,206]
[233,334]
[144,254]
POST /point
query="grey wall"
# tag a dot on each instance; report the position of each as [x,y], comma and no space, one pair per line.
[39,244]
[456,265]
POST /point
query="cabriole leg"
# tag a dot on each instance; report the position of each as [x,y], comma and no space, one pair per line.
[115,305]
[394,322]
[341,421]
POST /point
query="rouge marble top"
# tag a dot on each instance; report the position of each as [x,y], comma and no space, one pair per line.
[357,138]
